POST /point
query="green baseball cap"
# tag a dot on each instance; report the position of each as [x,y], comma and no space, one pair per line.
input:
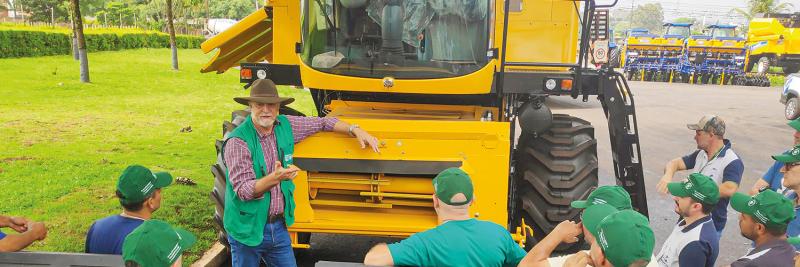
[767,207]
[137,183]
[699,187]
[450,182]
[594,214]
[155,243]
[795,240]
[795,124]
[789,157]
[613,195]
[625,237]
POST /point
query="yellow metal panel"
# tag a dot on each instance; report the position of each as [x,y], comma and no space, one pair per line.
[417,140]
[543,31]
[248,39]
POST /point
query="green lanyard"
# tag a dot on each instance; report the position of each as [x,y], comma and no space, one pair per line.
[713,157]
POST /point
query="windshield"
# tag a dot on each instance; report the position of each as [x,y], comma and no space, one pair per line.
[719,32]
[675,30]
[409,39]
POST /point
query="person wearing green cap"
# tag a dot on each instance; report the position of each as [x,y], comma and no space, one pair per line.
[613,195]
[458,240]
[694,240]
[139,193]
[791,180]
[622,238]
[714,158]
[773,178]
[156,244]
[763,219]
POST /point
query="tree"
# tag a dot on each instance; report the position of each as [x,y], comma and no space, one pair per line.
[78,22]
[755,7]
[171,28]
[40,10]
[232,9]
[649,16]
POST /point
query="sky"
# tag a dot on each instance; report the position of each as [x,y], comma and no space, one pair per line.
[714,11]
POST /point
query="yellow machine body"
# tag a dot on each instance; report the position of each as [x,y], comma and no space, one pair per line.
[412,135]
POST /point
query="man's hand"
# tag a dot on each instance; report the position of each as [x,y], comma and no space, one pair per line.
[280,173]
[19,224]
[365,139]
[38,229]
[662,184]
[567,231]
[580,259]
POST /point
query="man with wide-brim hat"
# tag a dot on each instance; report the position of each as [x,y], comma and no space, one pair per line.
[258,153]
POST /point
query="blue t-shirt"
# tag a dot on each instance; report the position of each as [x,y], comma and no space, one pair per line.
[2,235]
[696,244]
[774,177]
[793,229]
[106,235]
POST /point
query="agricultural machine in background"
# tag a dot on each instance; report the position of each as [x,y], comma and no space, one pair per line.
[774,40]
[716,58]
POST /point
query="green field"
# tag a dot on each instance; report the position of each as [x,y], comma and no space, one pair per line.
[65,143]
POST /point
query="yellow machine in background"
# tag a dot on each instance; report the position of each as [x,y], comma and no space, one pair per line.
[441,84]
[774,40]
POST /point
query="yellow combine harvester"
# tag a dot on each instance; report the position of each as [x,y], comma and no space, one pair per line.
[441,84]
[774,40]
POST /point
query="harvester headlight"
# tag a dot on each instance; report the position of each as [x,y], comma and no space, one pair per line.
[261,74]
[550,84]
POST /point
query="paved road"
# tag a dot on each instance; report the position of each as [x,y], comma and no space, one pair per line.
[755,126]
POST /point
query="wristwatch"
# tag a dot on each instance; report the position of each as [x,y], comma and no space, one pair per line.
[352,128]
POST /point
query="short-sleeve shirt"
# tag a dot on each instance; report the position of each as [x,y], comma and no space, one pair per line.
[459,243]
[774,177]
[724,167]
[773,253]
[695,244]
[793,229]
[107,235]
[2,235]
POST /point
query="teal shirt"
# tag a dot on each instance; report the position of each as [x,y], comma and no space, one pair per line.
[459,243]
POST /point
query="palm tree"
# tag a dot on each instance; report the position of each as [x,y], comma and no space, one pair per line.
[763,6]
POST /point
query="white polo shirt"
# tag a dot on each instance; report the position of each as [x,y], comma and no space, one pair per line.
[725,166]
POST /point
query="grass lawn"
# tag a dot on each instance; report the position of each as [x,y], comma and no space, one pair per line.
[64,143]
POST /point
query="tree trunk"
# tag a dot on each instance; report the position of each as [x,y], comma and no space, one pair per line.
[78,22]
[171,28]
[74,37]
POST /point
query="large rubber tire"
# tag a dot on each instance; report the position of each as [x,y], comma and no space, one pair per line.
[792,109]
[763,65]
[218,169]
[552,170]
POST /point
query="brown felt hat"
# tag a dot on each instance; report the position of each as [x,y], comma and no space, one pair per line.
[263,91]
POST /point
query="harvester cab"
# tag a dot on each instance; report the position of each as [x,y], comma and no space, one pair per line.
[442,84]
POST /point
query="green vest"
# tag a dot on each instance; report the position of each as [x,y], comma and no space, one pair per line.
[245,220]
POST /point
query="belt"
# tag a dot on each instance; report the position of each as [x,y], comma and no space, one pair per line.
[275,218]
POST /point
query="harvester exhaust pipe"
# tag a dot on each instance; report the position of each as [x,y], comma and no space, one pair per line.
[392,30]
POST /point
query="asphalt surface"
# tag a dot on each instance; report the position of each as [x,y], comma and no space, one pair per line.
[755,126]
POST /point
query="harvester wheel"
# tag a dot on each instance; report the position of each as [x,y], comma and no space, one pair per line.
[763,65]
[553,169]
[218,169]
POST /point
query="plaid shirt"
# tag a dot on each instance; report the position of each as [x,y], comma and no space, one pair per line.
[240,163]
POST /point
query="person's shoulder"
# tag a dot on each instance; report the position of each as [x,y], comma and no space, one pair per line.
[116,221]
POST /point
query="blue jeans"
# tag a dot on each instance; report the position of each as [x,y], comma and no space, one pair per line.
[275,249]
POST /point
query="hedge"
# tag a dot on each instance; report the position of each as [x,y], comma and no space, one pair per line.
[25,43]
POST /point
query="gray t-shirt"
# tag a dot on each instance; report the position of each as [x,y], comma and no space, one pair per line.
[774,253]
